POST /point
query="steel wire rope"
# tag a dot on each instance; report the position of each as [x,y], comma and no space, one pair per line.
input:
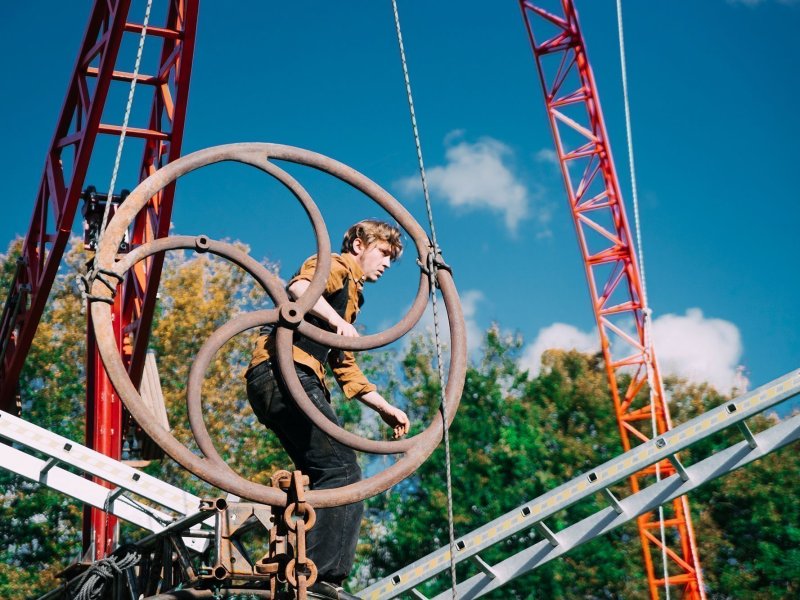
[124,129]
[432,270]
[646,311]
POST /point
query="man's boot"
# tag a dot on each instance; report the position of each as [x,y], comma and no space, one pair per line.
[322,590]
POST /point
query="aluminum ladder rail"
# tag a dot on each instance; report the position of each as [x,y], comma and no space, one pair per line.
[61,450]
[534,513]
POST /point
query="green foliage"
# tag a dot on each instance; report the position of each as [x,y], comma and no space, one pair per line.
[516,438]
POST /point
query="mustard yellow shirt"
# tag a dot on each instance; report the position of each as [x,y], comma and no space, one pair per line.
[343,364]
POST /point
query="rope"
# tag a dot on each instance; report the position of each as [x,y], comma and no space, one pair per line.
[124,129]
[94,583]
[432,272]
[647,312]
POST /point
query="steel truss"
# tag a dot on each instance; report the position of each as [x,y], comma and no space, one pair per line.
[66,164]
[615,285]
[600,479]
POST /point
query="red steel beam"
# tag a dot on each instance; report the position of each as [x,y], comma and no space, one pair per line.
[133,308]
[58,199]
[168,114]
[604,237]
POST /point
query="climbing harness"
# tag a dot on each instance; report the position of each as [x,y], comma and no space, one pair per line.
[647,312]
[434,263]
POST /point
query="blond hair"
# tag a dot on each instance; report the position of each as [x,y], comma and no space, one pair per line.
[371,231]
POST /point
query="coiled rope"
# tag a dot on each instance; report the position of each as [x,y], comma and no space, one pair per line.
[432,271]
[94,583]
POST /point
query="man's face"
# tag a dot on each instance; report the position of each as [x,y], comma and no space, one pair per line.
[373,259]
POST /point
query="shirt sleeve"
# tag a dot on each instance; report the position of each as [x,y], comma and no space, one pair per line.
[348,374]
[335,279]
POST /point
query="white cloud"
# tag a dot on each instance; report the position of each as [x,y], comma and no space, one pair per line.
[477,176]
[690,346]
[557,335]
[700,349]
[548,156]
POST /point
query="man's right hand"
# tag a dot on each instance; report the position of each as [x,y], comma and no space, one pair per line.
[346,329]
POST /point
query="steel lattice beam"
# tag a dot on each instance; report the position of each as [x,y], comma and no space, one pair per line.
[604,237]
[648,499]
[59,195]
[120,479]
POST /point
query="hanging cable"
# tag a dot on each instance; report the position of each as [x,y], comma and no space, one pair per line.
[647,313]
[124,129]
[432,270]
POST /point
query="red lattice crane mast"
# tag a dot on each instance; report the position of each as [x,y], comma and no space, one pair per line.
[60,190]
[584,154]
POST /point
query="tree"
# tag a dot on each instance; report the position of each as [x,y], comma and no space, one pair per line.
[40,529]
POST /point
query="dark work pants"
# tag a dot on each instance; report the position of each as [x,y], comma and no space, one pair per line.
[331,542]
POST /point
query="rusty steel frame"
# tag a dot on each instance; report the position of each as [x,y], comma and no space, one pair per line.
[288,316]
[611,270]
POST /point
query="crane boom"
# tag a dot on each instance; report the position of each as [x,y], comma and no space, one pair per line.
[604,237]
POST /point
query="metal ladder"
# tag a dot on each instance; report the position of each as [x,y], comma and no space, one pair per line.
[127,480]
[554,544]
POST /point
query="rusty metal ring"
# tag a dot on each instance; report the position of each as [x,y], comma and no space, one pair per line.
[292,578]
[310,517]
[209,470]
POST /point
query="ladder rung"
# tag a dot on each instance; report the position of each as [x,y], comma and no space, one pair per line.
[162,32]
[51,462]
[545,531]
[135,132]
[748,435]
[125,76]
[417,594]
[612,499]
[485,567]
[113,495]
[678,467]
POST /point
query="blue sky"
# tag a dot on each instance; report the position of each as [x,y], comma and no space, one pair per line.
[713,92]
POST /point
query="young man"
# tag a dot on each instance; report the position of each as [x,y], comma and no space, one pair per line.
[368,249]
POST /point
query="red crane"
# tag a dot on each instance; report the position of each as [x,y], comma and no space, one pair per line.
[604,237]
[60,190]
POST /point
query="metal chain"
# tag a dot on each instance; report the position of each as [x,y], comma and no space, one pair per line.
[647,313]
[432,271]
[124,130]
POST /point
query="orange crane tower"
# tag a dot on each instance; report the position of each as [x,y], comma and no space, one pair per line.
[615,285]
